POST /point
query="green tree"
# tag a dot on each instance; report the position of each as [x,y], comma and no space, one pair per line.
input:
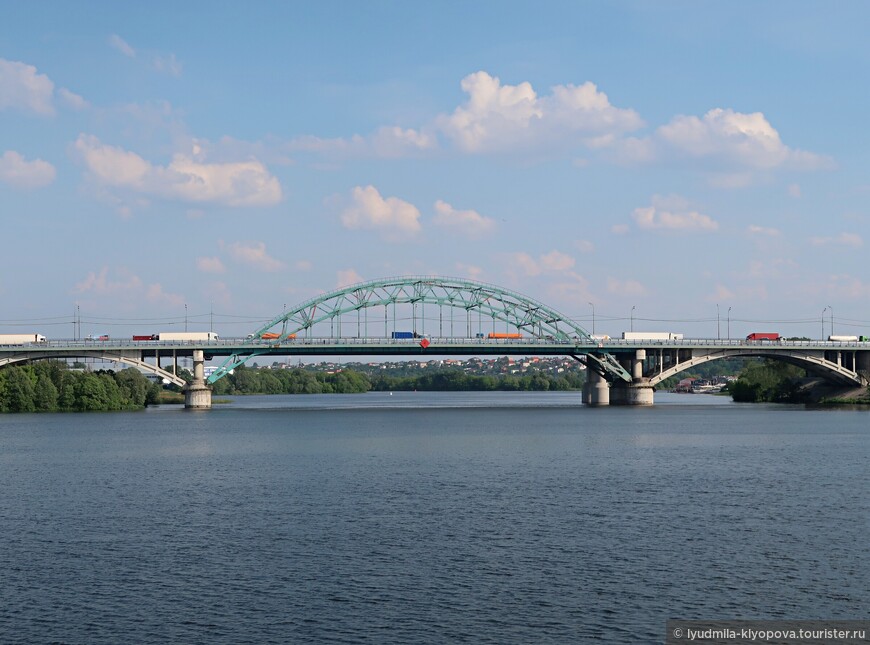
[45,394]
[19,391]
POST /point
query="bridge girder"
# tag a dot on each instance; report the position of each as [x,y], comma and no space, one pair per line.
[814,361]
[106,355]
[499,304]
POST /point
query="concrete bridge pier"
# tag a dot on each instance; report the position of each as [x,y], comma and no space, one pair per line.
[197,395]
[639,391]
[596,391]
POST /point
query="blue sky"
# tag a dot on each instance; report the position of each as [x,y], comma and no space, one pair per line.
[223,160]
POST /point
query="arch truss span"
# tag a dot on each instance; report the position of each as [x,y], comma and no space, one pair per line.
[133,360]
[813,361]
[356,310]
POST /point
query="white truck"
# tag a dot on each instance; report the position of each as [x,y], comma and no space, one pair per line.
[187,335]
[651,335]
[21,339]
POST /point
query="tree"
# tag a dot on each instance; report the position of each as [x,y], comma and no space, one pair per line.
[19,391]
[45,394]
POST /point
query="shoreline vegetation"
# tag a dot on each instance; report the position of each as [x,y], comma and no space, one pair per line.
[52,386]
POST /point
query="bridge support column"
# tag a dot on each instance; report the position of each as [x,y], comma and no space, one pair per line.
[197,395]
[632,393]
[596,391]
[639,391]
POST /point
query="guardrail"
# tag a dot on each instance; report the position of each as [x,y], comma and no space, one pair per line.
[614,343]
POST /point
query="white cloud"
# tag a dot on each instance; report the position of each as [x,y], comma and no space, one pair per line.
[843,239]
[469,270]
[18,172]
[744,139]
[303,265]
[167,65]
[504,117]
[155,293]
[468,223]
[574,289]
[119,44]
[210,265]
[124,286]
[672,213]
[22,88]
[242,183]
[625,287]
[394,218]
[347,277]
[765,231]
[254,254]
[554,261]
[72,100]
[584,246]
[388,142]
[619,229]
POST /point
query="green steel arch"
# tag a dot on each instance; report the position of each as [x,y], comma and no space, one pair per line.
[524,314]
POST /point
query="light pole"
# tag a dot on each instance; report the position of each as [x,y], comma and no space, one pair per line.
[823,322]
[185,316]
[729,323]
[593,318]
[832,320]
[631,327]
[718,333]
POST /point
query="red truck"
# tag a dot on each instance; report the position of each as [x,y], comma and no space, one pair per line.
[760,335]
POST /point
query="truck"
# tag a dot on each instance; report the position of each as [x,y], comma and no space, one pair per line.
[763,335]
[269,335]
[403,335]
[843,339]
[144,336]
[508,336]
[98,337]
[651,335]
[21,339]
[187,335]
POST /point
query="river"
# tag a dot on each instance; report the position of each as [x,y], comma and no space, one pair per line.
[428,518]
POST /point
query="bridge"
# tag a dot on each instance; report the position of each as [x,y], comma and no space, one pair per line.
[465,318]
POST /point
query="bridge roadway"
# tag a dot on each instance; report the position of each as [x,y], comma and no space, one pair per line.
[620,371]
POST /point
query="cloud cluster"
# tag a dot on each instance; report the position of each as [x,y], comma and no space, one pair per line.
[126,287]
[498,118]
[468,223]
[16,171]
[673,214]
[243,183]
[23,88]
[742,140]
[396,219]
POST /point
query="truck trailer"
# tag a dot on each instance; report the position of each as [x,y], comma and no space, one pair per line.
[187,335]
[763,335]
[651,335]
[21,339]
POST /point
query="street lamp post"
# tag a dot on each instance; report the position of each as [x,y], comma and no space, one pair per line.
[832,320]
[631,327]
[185,316]
[729,323]
[718,333]
[823,322]
[593,318]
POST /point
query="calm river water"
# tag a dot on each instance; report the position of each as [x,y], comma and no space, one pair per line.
[428,518]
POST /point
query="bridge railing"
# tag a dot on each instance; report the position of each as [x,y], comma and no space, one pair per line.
[435,340]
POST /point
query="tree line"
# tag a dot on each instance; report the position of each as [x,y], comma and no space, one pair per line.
[50,386]
[298,380]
